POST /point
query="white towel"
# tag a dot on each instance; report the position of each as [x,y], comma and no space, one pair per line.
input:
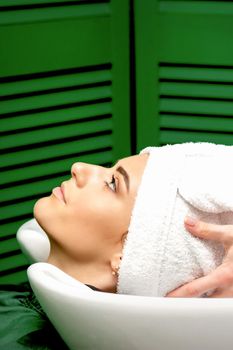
[192,179]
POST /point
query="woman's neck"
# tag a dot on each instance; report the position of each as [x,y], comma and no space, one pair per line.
[95,274]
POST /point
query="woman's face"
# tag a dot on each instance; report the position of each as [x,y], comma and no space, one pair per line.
[88,215]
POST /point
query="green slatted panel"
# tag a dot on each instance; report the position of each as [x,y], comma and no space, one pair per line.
[54,99]
[64,95]
[184,71]
[196,104]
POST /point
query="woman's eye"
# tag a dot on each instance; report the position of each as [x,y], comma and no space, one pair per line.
[112,184]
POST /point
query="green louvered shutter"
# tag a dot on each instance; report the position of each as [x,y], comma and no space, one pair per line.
[184,71]
[64,75]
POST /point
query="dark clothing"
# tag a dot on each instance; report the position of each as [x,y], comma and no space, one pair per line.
[23,323]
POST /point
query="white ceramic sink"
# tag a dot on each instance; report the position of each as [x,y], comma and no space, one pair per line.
[103,321]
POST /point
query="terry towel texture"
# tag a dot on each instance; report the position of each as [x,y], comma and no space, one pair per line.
[192,179]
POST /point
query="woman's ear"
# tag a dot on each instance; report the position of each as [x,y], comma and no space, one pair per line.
[115,263]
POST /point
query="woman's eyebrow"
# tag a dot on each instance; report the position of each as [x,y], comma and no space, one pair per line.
[125,175]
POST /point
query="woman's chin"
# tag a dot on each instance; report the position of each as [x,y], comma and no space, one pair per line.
[41,211]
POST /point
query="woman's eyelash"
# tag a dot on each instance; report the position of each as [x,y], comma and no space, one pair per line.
[112,184]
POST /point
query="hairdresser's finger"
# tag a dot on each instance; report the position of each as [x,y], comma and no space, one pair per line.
[201,229]
[219,277]
[223,293]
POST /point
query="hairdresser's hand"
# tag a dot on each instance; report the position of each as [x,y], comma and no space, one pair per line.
[220,280]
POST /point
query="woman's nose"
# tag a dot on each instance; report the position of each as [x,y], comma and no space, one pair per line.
[83,173]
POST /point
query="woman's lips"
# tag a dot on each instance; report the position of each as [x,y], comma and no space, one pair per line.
[57,191]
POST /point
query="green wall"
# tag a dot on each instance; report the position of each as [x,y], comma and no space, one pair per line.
[64,72]
[184,71]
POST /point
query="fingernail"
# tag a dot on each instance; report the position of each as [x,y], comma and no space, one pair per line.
[190,221]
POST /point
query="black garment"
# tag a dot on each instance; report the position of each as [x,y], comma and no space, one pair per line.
[23,323]
[93,287]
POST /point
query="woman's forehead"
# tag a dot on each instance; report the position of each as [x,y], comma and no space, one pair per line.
[134,167]
[135,160]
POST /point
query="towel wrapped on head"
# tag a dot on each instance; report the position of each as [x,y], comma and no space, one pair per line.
[192,179]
